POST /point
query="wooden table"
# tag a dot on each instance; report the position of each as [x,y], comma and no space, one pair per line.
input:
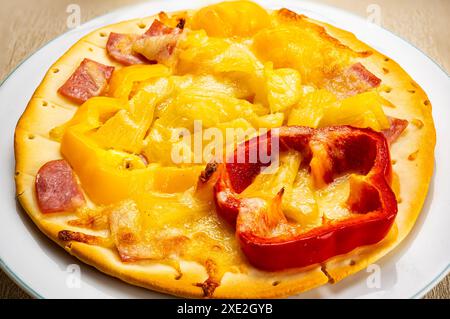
[26,25]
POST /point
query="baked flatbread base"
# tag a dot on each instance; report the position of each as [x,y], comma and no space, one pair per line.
[412,153]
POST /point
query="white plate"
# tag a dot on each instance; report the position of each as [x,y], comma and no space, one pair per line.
[44,270]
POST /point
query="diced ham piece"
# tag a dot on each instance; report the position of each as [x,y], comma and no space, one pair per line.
[158,42]
[89,79]
[353,80]
[155,45]
[120,48]
[57,189]
[128,236]
[159,28]
[395,130]
[365,75]
[125,230]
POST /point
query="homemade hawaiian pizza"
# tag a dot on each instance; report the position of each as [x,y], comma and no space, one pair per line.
[96,172]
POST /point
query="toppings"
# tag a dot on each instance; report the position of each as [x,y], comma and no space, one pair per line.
[68,235]
[89,79]
[155,45]
[125,230]
[304,46]
[396,128]
[120,48]
[365,75]
[228,19]
[57,189]
[269,240]
[320,108]
[158,43]
[353,80]
[111,140]
[158,28]
[129,235]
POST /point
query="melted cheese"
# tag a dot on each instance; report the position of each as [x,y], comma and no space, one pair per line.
[257,74]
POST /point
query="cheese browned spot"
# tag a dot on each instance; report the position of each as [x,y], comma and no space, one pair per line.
[68,235]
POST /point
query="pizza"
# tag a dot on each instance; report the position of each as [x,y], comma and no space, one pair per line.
[225,152]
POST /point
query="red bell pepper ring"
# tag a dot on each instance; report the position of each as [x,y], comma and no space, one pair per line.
[267,239]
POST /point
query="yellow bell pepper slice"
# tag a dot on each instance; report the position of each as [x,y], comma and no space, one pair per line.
[109,176]
[89,113]
[236,18]
[123,80]
[104,174]
[95,110]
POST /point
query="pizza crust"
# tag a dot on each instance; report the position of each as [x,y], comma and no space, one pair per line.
[33,148]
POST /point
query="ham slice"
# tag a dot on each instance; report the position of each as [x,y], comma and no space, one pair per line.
[120,48]
[155,45]
[159,42]
[126,233]
[129,238]
[395,129]
[57,189]
[353,80]
[158,28]
[89,79]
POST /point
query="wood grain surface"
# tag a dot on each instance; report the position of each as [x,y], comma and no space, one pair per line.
[26,25]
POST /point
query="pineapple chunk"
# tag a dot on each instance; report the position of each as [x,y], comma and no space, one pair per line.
[267,185]
[320,109]
[194,104]
[332,199]
[119,132]
[282,90]
[126,129]
[141,108]
[236,132]
[200,54]
[160,143]
[271,120]
[210,84]
[362,110]
[299,202]
[310,109]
